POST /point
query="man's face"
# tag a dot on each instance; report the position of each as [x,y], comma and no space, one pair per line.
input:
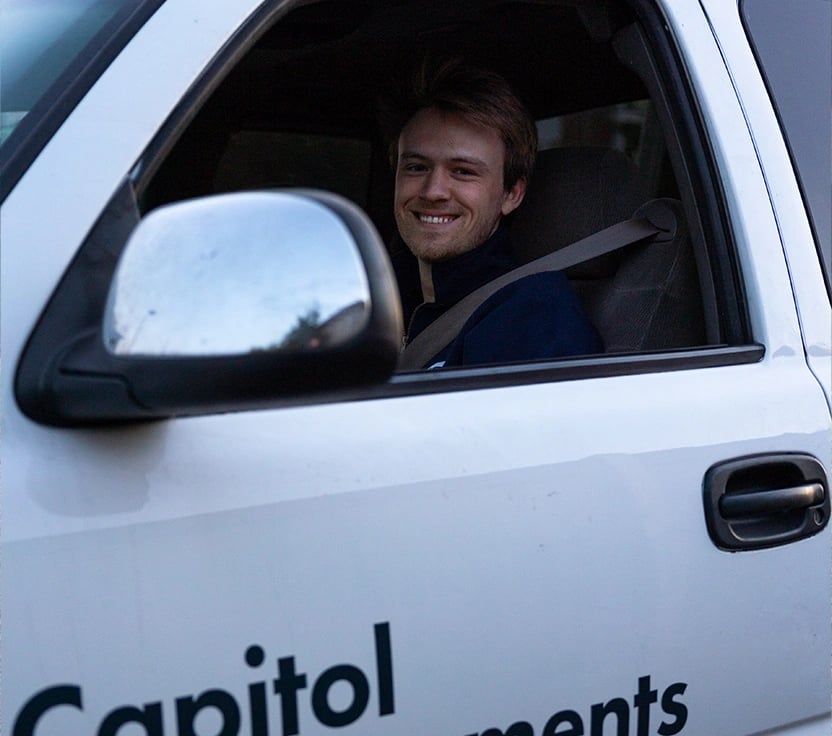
[449,185]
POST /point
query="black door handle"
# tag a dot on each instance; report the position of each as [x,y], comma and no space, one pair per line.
[757,503]
[765,500]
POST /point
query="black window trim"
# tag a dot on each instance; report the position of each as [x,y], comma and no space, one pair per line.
[482,378]
[608,365]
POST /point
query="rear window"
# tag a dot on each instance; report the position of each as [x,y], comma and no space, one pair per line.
[792,44]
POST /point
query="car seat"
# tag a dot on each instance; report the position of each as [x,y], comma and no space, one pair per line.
[643,297]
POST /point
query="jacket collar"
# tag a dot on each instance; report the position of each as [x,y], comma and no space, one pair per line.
[457,277]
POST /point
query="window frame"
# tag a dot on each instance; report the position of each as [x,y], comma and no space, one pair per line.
[695,169]
[693,155]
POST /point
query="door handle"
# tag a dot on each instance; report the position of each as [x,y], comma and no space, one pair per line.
[752,505]
[765,500]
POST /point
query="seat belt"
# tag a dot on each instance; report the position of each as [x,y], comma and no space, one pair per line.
[653,220]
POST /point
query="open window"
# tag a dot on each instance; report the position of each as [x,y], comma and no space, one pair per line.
[301,109]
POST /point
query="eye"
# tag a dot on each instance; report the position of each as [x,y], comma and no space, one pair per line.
[413,167]
[464,172]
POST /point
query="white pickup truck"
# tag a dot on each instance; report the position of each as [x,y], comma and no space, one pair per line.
[226,511]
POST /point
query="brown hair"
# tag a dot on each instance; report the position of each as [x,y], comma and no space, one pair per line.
[480,96]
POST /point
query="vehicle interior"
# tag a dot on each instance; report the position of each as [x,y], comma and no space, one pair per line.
[617,128]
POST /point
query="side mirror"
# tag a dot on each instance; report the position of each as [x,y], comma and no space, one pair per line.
[229,302]
[234,275]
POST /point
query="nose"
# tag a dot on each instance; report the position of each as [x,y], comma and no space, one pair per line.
[435,185]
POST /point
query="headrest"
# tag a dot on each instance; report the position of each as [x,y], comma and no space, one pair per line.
[574,192]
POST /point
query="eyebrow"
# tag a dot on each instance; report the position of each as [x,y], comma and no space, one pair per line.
[469,160]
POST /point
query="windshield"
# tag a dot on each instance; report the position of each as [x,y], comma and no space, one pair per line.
[41,40]
[52,52]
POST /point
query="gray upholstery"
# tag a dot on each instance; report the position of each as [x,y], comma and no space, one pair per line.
[575,192]
[643,297]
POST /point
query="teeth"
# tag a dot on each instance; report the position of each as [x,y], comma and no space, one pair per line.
[433,220]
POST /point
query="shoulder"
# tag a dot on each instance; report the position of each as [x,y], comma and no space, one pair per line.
[549,291]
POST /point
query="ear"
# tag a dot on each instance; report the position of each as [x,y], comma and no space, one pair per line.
[513,196]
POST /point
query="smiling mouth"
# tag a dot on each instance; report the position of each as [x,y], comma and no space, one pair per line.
[436,219]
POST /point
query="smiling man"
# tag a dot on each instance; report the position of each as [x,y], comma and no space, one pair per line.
[464,151]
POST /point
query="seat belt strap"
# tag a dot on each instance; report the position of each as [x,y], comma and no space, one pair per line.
[442,331]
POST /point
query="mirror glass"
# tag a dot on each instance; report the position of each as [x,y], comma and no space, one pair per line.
[237,273]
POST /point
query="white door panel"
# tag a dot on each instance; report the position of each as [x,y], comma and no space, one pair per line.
[164,470]
[510,538]
[495,614]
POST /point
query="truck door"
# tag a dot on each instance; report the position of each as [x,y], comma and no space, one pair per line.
[619,544]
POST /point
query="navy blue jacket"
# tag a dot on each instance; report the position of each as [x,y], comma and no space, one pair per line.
[536,317]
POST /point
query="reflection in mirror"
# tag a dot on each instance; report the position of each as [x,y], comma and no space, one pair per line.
[237,273]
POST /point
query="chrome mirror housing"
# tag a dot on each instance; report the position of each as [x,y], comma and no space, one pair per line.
[236,274]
